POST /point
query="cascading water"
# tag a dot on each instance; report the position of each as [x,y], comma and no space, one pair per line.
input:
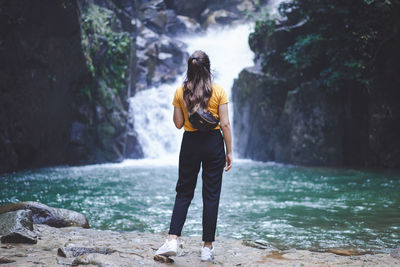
[152,110]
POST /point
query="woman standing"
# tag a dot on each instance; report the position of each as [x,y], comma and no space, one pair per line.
[199,147]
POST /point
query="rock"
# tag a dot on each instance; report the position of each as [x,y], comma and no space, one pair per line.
[163,259]
[255,244]
[64,261]
[4,260]
[17,227]
[154,20]
[153,4]
[218,17]
[291,126]
[309,128]
[395,253]
[191,9]
[345,252]
[259,101]
[160,59]
[191,26]
[68,252]
[38,81]
[79,133]
[43,214]
[102,261]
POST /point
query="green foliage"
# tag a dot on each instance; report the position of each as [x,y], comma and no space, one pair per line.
[332,42]
[107,50]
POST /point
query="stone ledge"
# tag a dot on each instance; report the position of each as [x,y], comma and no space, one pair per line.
[131,249]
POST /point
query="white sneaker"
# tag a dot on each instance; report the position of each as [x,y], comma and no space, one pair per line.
[207,254]
[169,248]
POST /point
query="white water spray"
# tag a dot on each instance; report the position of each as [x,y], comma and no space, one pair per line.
[152,109]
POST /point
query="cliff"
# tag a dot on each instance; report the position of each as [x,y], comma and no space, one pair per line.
[322,93]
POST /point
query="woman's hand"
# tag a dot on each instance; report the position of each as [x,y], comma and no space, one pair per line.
[228,163]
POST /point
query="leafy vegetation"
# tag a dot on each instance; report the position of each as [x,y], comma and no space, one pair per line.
[332,42]
[107,51]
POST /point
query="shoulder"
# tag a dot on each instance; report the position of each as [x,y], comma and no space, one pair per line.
[179,91]
[218,89]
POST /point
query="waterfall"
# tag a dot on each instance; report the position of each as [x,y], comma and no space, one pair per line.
[152,109]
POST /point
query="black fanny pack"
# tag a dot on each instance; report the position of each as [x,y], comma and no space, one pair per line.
[203,120]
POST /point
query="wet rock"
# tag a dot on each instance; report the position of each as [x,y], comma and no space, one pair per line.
[68,252]
[255,244]
[191,26]
[395,253]
[255,93]
[17,227]
[218,17]
[154,20]
[79,133]
[43,214]
[191,9]
[160,59]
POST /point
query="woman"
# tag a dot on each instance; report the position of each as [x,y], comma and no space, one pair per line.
[199,147]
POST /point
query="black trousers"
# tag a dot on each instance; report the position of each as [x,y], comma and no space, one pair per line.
[206,148]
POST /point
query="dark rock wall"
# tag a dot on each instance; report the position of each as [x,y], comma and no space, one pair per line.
[308,124]
[42,64]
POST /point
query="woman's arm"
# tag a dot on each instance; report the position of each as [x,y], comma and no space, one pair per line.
[179,119]
[226,130]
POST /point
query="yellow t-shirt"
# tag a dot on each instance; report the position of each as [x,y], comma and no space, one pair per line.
[218,97]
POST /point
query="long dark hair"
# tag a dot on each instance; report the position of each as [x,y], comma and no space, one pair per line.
[197,85]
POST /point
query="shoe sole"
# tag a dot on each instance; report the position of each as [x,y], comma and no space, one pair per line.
[168,253]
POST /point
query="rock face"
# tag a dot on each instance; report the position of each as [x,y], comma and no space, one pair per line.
[43,214]
[256,113]
[42,65]
[306,126]
[17,227]
[279,115]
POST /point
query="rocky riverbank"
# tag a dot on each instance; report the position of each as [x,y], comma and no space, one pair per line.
[63,246]
[44,245]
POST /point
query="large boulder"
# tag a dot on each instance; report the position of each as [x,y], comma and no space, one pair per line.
[43,214]
[17,227]
[218,17]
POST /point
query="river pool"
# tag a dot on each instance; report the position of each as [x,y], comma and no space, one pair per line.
[281,205]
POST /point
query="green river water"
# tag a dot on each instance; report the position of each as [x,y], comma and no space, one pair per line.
[284,206]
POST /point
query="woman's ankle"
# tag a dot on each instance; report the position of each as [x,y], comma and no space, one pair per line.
[208,245]
[172,237]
